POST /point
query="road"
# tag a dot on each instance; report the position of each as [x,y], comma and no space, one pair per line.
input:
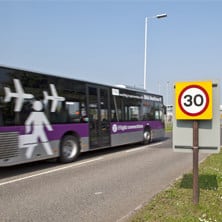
[105,185]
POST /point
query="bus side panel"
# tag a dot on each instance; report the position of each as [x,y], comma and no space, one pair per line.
[17,147]
[158,130]
[82,131]
[132,132]
[126,132]
[119,139]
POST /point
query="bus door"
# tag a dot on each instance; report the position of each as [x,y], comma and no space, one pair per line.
[99,118]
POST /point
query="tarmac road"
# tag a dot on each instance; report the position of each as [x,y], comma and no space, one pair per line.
[106,185]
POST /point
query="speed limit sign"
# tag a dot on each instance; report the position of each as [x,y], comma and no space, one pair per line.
[194,100]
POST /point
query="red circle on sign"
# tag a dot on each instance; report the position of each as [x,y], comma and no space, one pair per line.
[206,97]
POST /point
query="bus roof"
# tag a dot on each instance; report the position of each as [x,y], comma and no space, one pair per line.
[121,86]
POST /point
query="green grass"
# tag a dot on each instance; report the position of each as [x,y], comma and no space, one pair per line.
[168,127]
[176,203]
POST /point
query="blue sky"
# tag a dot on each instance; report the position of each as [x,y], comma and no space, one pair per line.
[103,41]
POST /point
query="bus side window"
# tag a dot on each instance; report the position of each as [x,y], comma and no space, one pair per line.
[26,110]
[157,114]
[73,109]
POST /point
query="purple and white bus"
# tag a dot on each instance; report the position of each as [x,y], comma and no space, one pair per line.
[44,116]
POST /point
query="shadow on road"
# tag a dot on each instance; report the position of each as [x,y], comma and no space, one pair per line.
[206,182]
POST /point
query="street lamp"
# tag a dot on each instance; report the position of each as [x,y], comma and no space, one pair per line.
[145,45]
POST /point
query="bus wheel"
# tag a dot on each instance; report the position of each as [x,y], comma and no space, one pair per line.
[147,136]
[69,149]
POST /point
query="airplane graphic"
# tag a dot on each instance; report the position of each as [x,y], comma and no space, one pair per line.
[20,95]
[54,97]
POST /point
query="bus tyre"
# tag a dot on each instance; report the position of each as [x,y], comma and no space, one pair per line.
[69,149]
[146,136]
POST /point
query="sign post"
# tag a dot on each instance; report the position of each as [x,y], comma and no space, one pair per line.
[196,120]
[195,163]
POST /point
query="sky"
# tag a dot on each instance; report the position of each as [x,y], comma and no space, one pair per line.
[103,41]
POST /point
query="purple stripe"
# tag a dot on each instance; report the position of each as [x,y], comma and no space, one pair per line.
[57,132]
[156,124]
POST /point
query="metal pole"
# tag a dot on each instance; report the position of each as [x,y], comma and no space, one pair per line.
[145,54]
[145,45]
[167,91]
[195,162]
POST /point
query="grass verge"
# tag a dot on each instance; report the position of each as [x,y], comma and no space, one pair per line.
[168,127]
[176,203]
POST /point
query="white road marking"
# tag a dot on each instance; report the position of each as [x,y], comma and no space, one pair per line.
[98,193]
[144,147]
[73,165]
[156,144]
[135,149]
[51,171]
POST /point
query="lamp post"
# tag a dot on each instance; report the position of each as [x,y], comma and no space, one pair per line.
[145,45]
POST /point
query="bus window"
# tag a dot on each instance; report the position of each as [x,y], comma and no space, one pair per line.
[148,110]
[157,114]
[73,111]
[132,113]
[116,109]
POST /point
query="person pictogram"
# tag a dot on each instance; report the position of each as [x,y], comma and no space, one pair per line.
[35,131]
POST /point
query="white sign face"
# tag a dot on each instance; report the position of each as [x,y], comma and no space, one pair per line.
[193,100]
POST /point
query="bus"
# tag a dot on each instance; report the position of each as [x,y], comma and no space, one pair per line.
[44,116]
